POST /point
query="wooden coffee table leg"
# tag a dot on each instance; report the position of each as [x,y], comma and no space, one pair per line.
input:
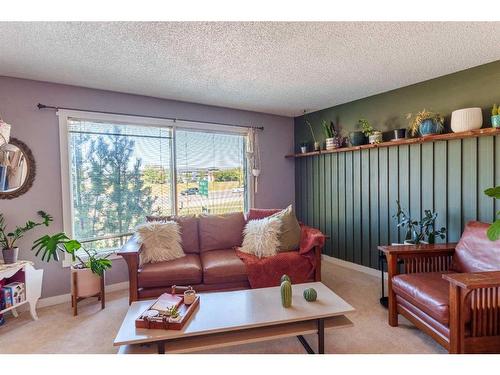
[321,336]
[161,347]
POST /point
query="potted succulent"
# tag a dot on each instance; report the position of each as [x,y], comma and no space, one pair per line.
[88,268]
[374,136]
[333,138]
[303,147]
[359,138]
[495,116]
[8,240]
[421,231]
[425,123]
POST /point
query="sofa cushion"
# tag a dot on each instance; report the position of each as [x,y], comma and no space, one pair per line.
[221,231]
[222,266]
[475,252]
[260,213]
[427,291]
[182,271]
[290,229]
[188,226]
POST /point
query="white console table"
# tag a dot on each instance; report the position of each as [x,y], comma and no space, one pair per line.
[32,282]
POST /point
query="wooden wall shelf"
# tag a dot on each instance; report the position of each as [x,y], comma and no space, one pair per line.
[407,141]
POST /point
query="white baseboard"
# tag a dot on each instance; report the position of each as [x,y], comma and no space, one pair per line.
[66,298]
[353,266]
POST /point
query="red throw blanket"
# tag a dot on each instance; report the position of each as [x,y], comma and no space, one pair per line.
[299,265]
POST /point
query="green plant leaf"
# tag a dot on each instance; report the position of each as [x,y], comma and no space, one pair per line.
[493,192]
[493,232]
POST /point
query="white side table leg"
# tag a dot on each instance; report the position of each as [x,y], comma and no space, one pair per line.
[33,313]
[14,313]
[33,288]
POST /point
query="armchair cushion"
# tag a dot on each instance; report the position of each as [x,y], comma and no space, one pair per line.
[222,266]
[182,271]
[427,291]
[475,252]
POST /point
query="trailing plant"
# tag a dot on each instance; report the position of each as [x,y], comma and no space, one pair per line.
[366,128]
[493,232]
[494,110]
[50,246]
[421,230]
[9,239]
[422,116]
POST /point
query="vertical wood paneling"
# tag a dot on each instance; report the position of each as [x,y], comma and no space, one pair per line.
[357,229]
[365,207]
[427,177]
[342,204]
[469,179]
[383,162]
[486,174]
[454,224]
[393,192]
[328,203]
[374,207]
[335,205]
[440,184]
[351,196]
[404,183]
[349,245]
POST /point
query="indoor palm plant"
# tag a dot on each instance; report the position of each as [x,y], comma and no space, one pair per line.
[419,231]
[88,267]
[8,239]
[425,123]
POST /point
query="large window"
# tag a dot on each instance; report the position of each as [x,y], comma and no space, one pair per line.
[117,170]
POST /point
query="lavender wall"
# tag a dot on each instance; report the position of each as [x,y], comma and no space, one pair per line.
[39,130]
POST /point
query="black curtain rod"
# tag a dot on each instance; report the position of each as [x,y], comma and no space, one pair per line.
[43,106]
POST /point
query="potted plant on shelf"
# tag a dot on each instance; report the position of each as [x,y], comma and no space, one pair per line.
[316,143]
[333,138]
[358,138]
[303,147]
[425,123]
[8,240]
[374,136]
[495,116]
[87,270]
[421,231]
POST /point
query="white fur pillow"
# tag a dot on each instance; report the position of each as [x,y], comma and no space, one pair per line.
[161,240]
[261,237]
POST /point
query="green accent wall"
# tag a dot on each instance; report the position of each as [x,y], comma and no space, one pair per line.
[351,196]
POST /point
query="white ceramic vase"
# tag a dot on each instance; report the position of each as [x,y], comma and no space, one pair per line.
[330,143]
[466,119]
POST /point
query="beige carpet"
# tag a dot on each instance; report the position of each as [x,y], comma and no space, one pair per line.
[93,331]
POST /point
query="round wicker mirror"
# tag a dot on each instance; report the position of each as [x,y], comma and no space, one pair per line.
[17,169]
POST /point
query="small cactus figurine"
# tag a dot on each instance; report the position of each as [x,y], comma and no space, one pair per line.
[494,110]
[286,293]
[310,294]
[285,277]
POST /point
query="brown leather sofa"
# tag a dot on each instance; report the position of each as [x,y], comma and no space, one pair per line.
[211,263]
[450,291]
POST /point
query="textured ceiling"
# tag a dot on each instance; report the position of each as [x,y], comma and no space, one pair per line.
[279,68]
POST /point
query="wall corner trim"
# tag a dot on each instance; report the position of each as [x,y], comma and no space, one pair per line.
[353,266]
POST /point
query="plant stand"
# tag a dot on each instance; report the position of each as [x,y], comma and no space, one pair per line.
[23,271]
[75,298]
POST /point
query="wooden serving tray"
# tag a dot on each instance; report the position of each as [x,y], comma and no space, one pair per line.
[162,322]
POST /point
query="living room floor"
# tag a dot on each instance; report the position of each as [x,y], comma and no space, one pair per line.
[93,330]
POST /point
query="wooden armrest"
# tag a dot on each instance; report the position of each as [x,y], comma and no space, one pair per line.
[131,248]
[424,249]
[474,280]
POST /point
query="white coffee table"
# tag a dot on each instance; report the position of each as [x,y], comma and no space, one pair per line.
[237,317]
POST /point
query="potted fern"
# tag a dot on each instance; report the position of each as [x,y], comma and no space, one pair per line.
[8,239]
[425,123]
[88,268]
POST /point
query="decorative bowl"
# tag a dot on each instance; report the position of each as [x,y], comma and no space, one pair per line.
[466,119]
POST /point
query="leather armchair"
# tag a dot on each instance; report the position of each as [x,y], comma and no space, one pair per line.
[450,291]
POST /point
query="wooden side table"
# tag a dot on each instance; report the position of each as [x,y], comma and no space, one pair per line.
[23,271]
[76,295]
